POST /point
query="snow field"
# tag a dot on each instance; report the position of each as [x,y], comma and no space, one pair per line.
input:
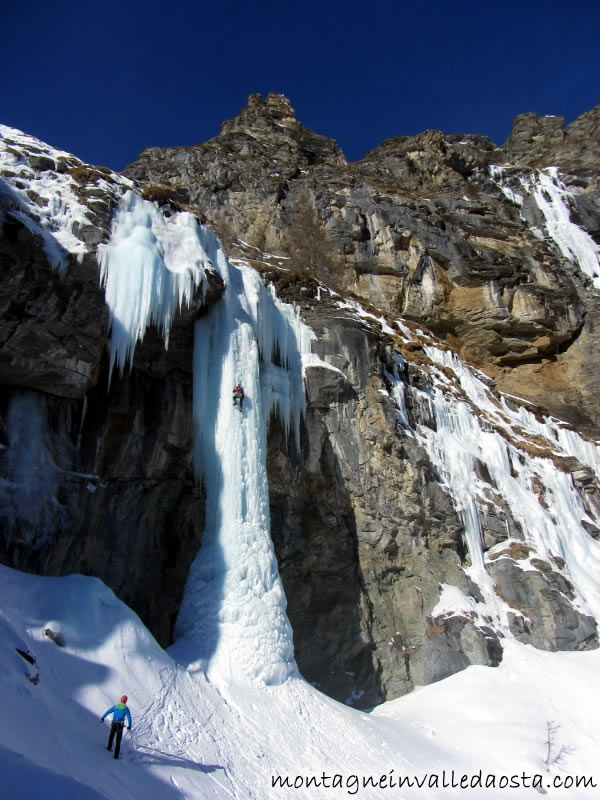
[196,740]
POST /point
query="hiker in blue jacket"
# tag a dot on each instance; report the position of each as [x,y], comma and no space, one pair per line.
[120,712]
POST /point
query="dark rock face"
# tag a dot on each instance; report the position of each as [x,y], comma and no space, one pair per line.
[40,313]
[114,492]
[115,497]
[544,614]
[367,537]
[130,509]
[361,570]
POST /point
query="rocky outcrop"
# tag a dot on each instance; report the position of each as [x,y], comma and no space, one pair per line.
[537,141]
[239,178]
[362,568]
[419,229]
[542,598]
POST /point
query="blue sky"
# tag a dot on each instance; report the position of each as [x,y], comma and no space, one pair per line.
[105,79]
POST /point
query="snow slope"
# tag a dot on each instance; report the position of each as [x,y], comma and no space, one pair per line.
[191,740]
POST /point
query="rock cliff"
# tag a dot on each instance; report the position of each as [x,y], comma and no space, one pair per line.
[422,228]
[429,244]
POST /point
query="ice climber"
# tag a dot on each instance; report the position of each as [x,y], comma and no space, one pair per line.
[120,712]
[238,395]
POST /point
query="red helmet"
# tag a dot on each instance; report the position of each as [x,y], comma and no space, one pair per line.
[124,698]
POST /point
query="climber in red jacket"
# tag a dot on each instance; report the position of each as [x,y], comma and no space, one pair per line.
[238,396]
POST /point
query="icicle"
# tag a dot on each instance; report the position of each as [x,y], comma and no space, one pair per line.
[150,268]
[82,421]
[399,393]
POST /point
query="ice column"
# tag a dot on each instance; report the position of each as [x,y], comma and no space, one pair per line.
[232,620]
[399,392]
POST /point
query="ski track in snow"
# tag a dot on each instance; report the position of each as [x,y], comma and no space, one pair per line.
[167,736]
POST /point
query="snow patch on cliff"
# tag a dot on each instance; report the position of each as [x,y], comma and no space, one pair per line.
[43,198]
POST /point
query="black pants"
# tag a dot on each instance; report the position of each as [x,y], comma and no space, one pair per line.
[115,727]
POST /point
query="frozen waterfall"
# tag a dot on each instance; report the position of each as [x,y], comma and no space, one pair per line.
[232,620]
[555,202]
[483,428]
